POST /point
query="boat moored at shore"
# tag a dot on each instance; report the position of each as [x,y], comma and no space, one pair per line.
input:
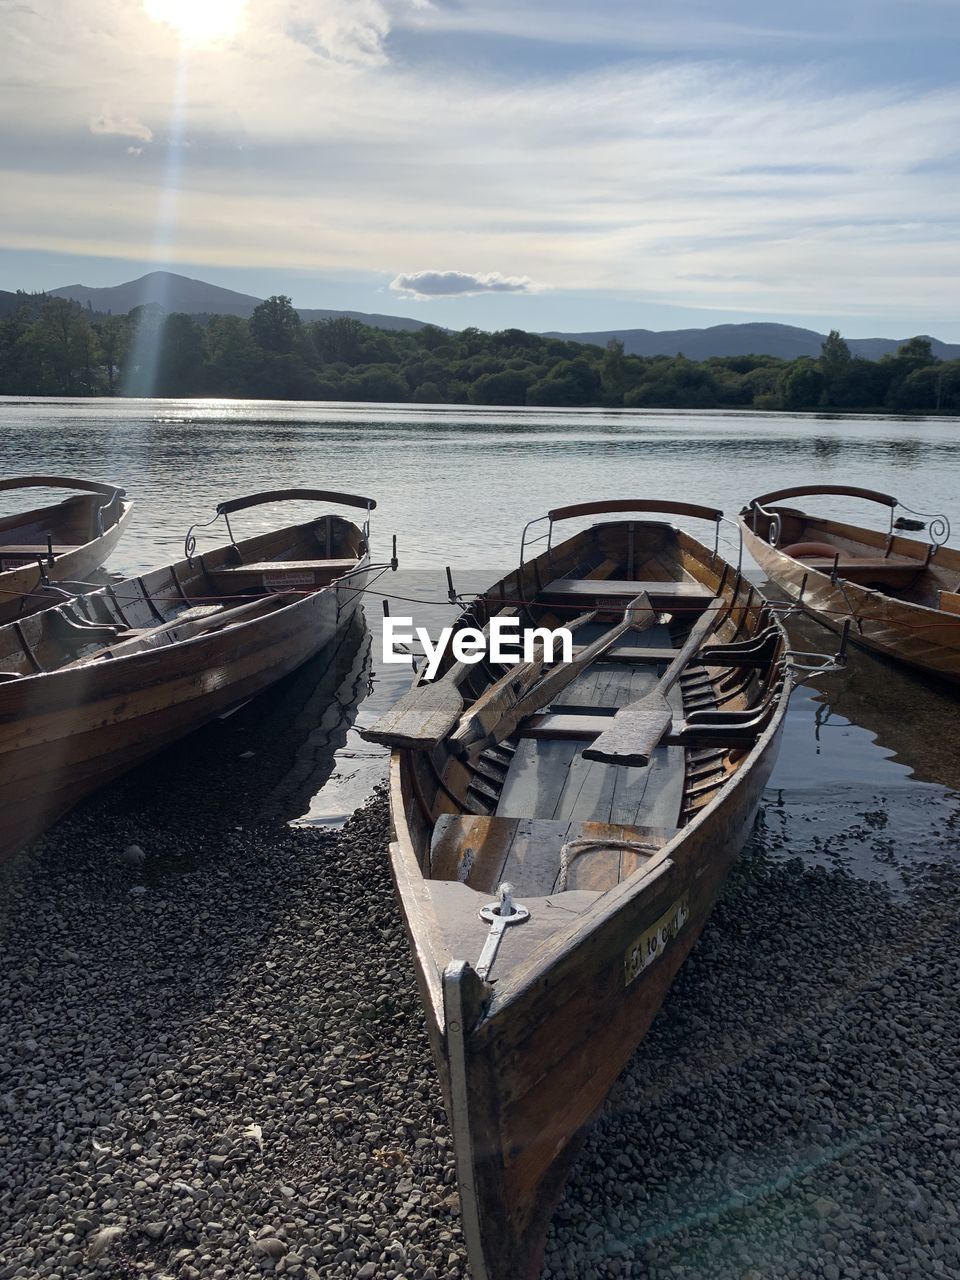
[61,542]
[562,833]
[98,684]
[900,596]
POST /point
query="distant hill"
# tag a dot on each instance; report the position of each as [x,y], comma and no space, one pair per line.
[11,302]
[783,340]
[195,297]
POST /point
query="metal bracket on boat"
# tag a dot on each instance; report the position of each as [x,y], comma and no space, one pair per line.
[938,525]
[776,523]
[809,663]
[190,541]
[499,915]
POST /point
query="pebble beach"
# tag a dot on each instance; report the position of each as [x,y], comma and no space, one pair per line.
[213,1063]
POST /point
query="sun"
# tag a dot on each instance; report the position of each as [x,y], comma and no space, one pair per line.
[198,21]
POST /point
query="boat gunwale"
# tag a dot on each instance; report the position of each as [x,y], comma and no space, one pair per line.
[870,592]
[611,901]
[94,662]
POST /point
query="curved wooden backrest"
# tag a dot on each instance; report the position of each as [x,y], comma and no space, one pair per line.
[294,495]
[61,482]
[635,504]
[805,490]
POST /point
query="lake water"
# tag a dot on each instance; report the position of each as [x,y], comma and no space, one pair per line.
[870,764]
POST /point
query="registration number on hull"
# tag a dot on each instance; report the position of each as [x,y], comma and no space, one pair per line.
[653,941]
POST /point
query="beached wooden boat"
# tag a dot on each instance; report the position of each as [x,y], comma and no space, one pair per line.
[899,595]
[96,685]
[64,541]
[536,995]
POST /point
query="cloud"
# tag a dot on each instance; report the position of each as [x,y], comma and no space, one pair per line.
[121,125]
[709,183]
[447,284]
[347,31]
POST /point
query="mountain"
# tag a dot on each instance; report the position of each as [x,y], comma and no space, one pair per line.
[196,297]
[783,340]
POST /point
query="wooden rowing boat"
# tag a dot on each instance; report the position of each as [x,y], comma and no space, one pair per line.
[97,684]
[550,898]
[61,542]
[900,595]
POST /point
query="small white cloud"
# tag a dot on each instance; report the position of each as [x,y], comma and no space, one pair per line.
[134,151]
[121,125]
[349,31]
[447,284]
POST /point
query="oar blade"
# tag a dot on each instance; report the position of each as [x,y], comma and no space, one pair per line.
[421,718]
[633,733]
[640,613]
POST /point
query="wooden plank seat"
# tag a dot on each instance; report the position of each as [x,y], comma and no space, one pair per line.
[633,653]
[575,725]
[948,601]
[866,568]
[30,551]
[280,574]
[616,593]
[483,852]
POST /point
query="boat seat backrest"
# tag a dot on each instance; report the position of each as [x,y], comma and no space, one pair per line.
[616,593]
[272,575]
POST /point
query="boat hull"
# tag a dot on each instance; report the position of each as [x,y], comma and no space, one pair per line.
[926,639]
[65,734]
[526,1060]
[21,584]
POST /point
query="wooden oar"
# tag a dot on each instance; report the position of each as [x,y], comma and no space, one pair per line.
[483,715]
[475,734]
[637,728]
[427,712]
[186,630]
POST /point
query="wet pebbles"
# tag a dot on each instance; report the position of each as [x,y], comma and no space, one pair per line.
[213,1065]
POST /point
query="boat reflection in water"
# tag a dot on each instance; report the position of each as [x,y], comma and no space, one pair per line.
[906,714]
[311,764]
[868,777]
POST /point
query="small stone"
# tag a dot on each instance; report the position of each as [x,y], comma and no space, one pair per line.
[101,1242]
[133,856]
[270,1246]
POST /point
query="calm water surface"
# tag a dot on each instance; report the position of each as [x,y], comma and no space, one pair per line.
[870,763]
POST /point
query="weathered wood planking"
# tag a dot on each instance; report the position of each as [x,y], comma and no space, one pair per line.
[84,530]
[71,721]
[911,626]
[526,1059]
[638,726]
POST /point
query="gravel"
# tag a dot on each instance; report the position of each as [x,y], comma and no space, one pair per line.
[213,1065]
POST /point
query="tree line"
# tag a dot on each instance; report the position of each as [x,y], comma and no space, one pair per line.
[52,346]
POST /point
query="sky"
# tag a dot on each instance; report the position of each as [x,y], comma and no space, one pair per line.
[544,164]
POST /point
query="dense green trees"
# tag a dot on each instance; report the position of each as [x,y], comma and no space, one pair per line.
[54,347]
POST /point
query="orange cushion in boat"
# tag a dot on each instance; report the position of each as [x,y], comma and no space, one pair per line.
[801,549]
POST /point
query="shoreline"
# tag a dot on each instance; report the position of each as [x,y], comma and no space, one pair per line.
[794,1110]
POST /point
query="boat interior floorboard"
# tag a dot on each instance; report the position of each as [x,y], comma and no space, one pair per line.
[484,852]
[550,779]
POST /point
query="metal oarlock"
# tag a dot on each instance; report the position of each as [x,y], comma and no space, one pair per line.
[811,663]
